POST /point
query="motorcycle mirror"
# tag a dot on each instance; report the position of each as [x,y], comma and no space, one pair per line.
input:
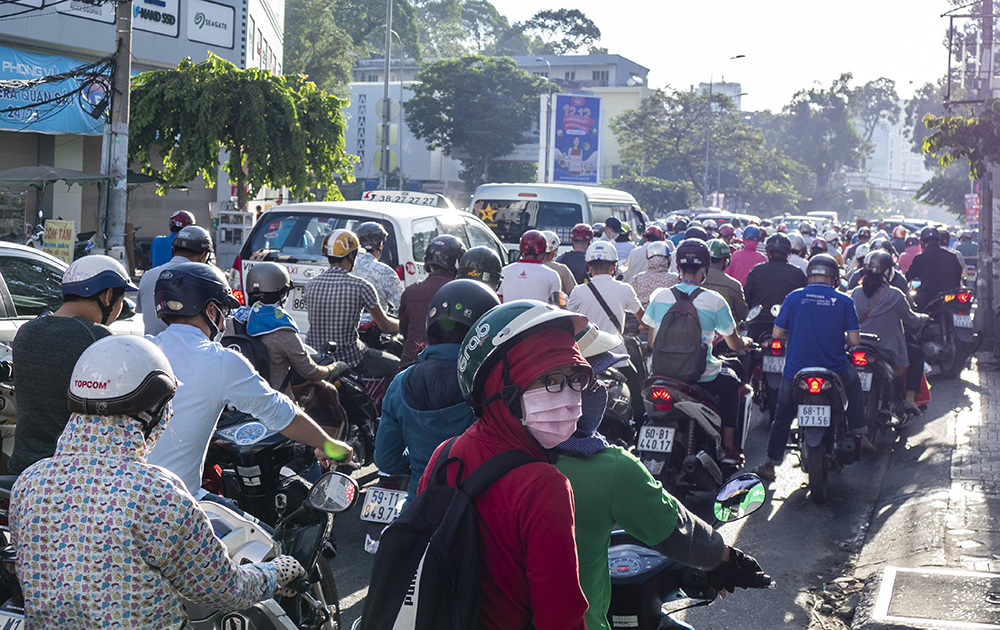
[775,310]
[128,309]
[333,492]
[739,497]
[754,312]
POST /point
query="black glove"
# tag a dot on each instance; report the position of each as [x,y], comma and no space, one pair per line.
[742,571]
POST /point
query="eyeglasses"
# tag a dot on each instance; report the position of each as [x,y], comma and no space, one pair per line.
[578,382]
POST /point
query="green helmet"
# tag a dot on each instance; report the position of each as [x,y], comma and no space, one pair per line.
[501,328]
[719,249]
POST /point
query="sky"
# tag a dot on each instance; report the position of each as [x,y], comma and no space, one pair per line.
[789,45]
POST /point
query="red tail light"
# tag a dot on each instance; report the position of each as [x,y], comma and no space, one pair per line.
[662,399]
[400,272]
[777,347]
[964,298]
[858,357]
[815,384]
[238,294]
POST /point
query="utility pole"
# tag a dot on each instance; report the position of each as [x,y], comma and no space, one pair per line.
[385,97]
[988,247]
[117,213]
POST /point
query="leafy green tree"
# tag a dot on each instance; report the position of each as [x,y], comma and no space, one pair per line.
[658,197]
[947,188]
[562,31]
[441,28]
[364,21]
[482,104]
[876,101]
[316,46]
[278,131]
[483,24]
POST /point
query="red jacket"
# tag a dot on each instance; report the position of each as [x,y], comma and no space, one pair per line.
[413,307]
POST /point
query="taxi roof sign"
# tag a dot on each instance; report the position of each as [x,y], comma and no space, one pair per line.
[434,200]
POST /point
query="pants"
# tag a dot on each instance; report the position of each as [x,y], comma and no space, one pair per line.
[726,389]
[786,409]
[377,364]
[915,355]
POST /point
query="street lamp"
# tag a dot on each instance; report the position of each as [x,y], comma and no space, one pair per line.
[402,65]
[548,118]
[708,130]
[385,97]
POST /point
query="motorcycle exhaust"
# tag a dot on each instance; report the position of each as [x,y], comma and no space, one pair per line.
[849,450]
[702,461]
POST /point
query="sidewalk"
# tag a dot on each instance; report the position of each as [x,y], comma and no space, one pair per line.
[931,557]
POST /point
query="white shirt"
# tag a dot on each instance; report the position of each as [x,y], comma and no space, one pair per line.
[145,304]
[210,377]
[636,262]
[528,280]
[619,296]
[799,262]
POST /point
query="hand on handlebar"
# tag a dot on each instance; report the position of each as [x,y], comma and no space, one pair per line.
[741,571]
[335,452]
[289,570]
[336,369]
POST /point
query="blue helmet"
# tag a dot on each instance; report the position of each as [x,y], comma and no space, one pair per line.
[751,233]
[90,275]
[189,287]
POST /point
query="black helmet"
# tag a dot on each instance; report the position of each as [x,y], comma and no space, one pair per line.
[879,262]
[693,251]
[193,238]
[459,303]
[696,232]
[929,235]
[778,243]
[189,287]
[483,264]
[371,235]
[444,251]
[885,245]
[823,265]
[681,224]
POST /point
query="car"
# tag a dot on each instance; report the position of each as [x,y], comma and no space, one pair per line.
[727,217]
[292,235]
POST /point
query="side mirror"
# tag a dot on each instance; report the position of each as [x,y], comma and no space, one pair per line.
[754,312]
[775,310]
[128,309]
[333,492]
[739,497]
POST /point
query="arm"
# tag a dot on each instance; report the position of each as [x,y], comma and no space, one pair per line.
[854,338]
[391,455]
[740,308]
[385,323]
[304,429]
[779,333]
[290,346]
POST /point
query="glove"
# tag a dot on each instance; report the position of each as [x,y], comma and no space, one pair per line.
[742,571]
[288,570]
[337,368]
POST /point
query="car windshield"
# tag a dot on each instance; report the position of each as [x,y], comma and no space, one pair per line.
[512,218]
[292,237]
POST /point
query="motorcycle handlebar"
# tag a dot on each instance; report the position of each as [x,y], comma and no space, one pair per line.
[302,584]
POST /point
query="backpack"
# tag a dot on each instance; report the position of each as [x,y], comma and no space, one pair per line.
[426,570]
[678,350]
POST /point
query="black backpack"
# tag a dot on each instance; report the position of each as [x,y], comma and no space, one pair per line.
[426,570]
[678,350]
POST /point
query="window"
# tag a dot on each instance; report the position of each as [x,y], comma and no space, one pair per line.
[259,40]
[509,219]
[373,78]
[250,33]
[601,75]
[481,237]
[542,74]
[34,286]
[425,230]
[571,76]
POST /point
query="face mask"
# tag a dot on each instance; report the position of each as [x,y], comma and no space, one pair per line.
[551,418]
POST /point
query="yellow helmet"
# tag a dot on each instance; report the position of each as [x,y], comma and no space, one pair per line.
[340,243]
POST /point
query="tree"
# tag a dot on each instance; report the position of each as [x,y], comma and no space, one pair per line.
[562,31]
[316,46]
[441,28]
[364,21]
[278,131]
[483,104]
[483,24]
[876,101]
[658,197]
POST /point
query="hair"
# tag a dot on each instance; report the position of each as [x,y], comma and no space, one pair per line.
[116,292]
[336,260]
[187,253]
[435,335]
[872,282]
[690,268]
[775,254]
[602,266]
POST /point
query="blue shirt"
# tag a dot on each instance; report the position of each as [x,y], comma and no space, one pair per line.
[816,317]
[160,252]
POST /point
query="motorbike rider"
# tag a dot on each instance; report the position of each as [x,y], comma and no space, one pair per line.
[912,250]
[160,249]
[657,274]
[105,539]
[604,300]
[798,251]
[884,311]
[576,259]
[552,242]
[424,405]
[814,320]
[769,283]
[864,235]
[335,300]
[718,281]
[528,278]
[694,261]
[745,259]
[945,237]
[522,372]
[680,227]
[46,348]
[936,268]
[371,235]
[637,259]
[441,264]
[483,264]
[192,243]
[966,246]
[194,300]
[899,234]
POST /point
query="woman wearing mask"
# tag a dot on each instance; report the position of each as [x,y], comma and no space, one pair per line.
[522,372]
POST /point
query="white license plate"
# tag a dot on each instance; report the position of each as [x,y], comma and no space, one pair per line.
[11,622]
[773,364]
[380,505]
[962,321]
[656,439]
[866,381]
[814,416]
[299,299]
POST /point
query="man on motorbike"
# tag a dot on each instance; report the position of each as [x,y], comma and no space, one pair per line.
[441,263]
[799,251]
[576,260]
[814,320]
[657,274]
[747,258]
[335,300]
[769,283]
[371,235]
[194,299]
[481,263]
[724,285]
[864,235]
[192,243]
[160,249]
[936,268]
[912,251]
[46,348]
[424,405]
[103,538]
[552,242]
[637,260]
[528,278]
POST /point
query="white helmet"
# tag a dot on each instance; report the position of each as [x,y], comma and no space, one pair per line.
[92,274]
[602,250]
[831,236]
[122,375]
[657,248]
[552,241]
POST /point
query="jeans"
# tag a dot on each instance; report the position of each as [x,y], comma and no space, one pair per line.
[377,364]
[915,356]
[726,389]
[785,411]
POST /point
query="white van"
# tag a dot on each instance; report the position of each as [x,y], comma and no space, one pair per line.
[512,209]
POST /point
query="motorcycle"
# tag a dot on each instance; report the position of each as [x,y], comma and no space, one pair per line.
[767,366]
[618,425]
[372,336]
[35,237]
[383,503]
[83,245]
[948,340]
[884,395]
[644,580]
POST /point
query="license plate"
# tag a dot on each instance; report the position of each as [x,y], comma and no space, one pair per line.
[656,439]
[814,416]
[774,364]
[380,505]
[962,321]
[11,622]
[299,299]
[866,381]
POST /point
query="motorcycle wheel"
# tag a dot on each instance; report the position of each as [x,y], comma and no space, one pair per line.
[872,398]
[817,468]
[952,368]
[324,589]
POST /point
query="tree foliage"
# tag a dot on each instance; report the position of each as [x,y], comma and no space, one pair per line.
[876,101]
[562,31]
[976,138]
[656,196]
[278,131]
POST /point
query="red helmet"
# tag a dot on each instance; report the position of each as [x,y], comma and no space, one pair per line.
[181,219]
[727,230]
[533,242]
[583,232]
[653,233]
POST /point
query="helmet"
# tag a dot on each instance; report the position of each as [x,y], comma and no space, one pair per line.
[122,375]
[883,244]
[944,237]
[180,219]
[194,238]
[899,232]
[582,232]
[371,235]
[552,241]
[653,233]
[459,303]
[805,227]
[657,248]
[483,264]
[778,243]
[911,240]
[782,227]
[189,287]
[719,249]
[751,233]
[500,329]
[861,252]
[831,237]
[340,243]
[90,275]
[681,225]
[727,230]
[695,232]
[879,262]
[819,245]
[268,277]
[929,235]
[602,250]
[693,251]
[444,251]
[796,242]
[597,228]
[823,265]
[533,243]
[864,232]
[735,222]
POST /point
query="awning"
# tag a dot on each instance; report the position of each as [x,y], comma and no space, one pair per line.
[40,176]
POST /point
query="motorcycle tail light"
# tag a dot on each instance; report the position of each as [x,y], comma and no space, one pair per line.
[777,347]
[964,298]
[815,384]
[238,294]
[858,357]
[662,399]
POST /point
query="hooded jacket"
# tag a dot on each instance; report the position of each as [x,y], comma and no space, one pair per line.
[744,260]
[906,258]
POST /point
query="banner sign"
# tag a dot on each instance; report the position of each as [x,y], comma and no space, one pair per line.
[89,11]
[972,209]
[577,155]
[156,16]
[65,115]
[211,23]
[59,237]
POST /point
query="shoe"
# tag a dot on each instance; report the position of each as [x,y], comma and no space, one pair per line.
[910,408]
[762,472]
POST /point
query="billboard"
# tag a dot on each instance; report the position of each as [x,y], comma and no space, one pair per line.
[576,156]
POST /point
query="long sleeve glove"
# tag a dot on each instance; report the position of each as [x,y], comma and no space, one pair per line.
[336,369]
[288,570]
[742,571]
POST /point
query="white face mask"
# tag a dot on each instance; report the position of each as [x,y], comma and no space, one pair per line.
[551,418]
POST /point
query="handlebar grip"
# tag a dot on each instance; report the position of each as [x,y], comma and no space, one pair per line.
[763,580]
[300,584]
